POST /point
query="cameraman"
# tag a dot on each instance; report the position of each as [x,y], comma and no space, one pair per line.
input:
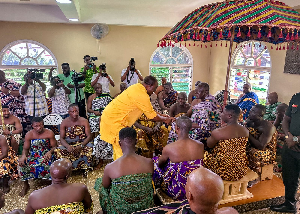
[59,96]
[103,78]
[130,75]
[66,76]
[88,71]
[39,101]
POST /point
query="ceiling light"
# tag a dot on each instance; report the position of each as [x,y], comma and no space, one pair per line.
[74,20]
[64,1]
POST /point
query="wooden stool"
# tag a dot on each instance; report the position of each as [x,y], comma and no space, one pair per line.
[266,172]
[237,190]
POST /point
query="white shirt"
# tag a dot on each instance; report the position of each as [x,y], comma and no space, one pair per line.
[132,78]
[104,82]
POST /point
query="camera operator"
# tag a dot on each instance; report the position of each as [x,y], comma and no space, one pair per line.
[88,71]
[66,76]
[103,78]
[59,96]
[131,75]
[39,101]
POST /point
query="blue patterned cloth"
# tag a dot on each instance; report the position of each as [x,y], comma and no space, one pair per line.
[36,166]
[246,102]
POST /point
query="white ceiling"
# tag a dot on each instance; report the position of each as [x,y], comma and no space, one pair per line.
[164,13]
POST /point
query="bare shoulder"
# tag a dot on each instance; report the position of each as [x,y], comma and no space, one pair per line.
[78,186]
[29,135]
[65,121]
[227,210]
[49,132]
[83,120]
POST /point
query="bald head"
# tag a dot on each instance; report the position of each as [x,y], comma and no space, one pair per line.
[204,189]
[272,98]
[60,169]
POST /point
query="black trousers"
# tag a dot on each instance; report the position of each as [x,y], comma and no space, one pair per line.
[290,172]
[81,105]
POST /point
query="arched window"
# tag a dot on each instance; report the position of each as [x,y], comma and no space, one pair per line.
[251,63]
[18,56]
[175,64]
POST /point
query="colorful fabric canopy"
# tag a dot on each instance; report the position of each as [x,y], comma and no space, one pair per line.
[262,20]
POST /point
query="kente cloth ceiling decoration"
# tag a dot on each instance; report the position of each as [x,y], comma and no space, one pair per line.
[262,20]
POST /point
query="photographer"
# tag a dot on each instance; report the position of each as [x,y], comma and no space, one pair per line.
[39,101]
[130,75]
[59,96]
[88,71]
[103,78]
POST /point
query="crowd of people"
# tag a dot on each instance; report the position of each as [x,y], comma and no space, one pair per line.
[151,134]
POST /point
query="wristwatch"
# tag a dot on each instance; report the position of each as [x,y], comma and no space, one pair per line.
[295,139]
[82,146]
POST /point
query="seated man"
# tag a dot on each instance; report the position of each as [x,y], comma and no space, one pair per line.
[37,154]
[262,139]
[12,129]
[178,109]
[228,156]
[167,97]
[181,106]
[2,204]
[247,100]
[178,159]
[75,136]
[204,190]
[126,185]
[8,164]
[270,114]
[60,197]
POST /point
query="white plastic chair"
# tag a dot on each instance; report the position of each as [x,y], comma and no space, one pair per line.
[53,120]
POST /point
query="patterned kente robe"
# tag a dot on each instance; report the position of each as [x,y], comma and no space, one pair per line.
[126,194]
[259,158]
[36,166]
[228,159]
[75,135]
[172,178]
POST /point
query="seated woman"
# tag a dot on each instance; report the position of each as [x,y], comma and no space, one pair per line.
[75,136]
[152,136]
[126,185]
[228,157]
[205,114]
[262,139]
[177,161]
[60,197]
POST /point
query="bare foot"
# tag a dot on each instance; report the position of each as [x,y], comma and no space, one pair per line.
[24,190]
[252,183]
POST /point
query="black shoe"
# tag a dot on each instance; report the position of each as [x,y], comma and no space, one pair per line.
[286,207]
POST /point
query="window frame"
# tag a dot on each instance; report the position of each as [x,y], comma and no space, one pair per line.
[12,44]
[174,66]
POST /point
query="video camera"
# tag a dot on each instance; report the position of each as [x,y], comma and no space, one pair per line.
[35,73]
[76,77]
[103,68]
[132,64]
[93,58]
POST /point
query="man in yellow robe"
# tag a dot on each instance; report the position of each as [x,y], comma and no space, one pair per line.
[125,109]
